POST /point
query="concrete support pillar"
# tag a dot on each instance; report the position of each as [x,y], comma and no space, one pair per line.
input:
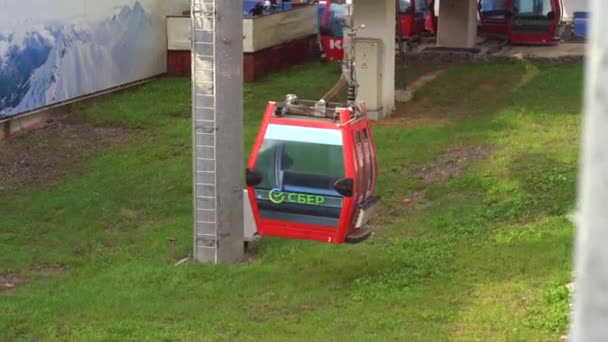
[217,134]
[588,321]
[457,23]
[378,16]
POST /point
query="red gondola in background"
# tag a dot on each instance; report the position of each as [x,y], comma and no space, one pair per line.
[331,29]
[493,16]
[416,17]
[521,21]
[533,21]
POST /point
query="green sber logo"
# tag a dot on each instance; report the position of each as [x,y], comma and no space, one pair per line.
[276,196]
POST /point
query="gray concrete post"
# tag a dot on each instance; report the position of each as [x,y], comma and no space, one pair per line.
[379,18]
[217,137]
[457,24]
[590,320]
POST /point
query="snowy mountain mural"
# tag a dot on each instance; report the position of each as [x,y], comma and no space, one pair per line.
[56,61]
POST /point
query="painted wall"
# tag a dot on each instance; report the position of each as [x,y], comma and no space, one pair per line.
[52,51]
[271,30]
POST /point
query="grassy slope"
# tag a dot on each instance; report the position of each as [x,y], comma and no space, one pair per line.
[484,257]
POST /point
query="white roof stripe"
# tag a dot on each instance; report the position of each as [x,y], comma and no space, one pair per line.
[304,134]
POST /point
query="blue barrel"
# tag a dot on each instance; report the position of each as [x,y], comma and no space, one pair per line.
[248,5]
[580,23]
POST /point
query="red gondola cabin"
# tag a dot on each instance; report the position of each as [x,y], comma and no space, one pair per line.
[331,29]
[312,172]
[533,21]
[493,16]
[416,17]
[523,21]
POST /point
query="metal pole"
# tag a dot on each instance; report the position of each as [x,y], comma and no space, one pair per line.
[348,63]
[217,119]
[590,317]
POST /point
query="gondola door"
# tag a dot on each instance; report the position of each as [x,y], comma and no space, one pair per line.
[412,16]
[366,174]
[360,167]
[493,15]
[533,21]
[421,8]
[369,161]
[406,18]
[361,128]
[430,20]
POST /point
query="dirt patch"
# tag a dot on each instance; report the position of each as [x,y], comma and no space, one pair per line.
[405,75]
[9,281]
[41,156]
[413,122]
[438,172]
[112,227]
[450,164]
[49,268]
[424,79]
[414,199]
[252,252]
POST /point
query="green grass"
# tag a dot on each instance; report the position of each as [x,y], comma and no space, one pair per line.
[404,75]
[483,257]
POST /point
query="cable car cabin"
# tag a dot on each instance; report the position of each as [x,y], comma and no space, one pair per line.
[331,29]
[493,15]
[416,17]
[523,21]
[312,172]
[533,21]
